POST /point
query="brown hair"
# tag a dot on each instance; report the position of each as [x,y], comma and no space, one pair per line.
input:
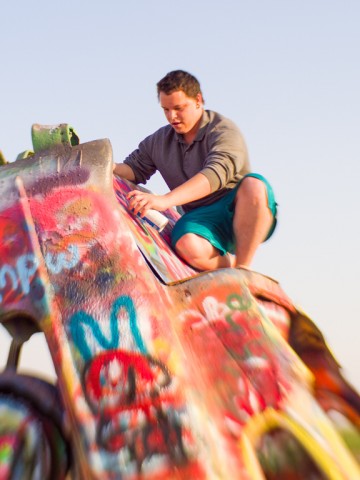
[179,80]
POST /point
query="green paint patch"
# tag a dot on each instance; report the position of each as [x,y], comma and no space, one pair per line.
[352,440]
[5,452]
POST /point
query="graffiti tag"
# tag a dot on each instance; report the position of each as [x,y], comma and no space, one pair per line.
[21,275]
[82,320]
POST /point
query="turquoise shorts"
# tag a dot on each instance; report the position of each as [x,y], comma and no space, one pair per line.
[214,222]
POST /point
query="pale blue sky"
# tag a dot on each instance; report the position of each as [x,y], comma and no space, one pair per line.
[286,71]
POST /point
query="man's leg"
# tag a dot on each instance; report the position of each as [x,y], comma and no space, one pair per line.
[252,219]
[199,253]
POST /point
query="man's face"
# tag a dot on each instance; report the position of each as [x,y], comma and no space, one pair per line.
[182,112]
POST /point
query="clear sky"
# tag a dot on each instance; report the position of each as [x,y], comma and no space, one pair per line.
[286,71]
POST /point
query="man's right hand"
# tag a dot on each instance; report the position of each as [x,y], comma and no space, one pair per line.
[140,202]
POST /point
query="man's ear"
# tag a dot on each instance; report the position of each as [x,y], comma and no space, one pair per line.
[199,99]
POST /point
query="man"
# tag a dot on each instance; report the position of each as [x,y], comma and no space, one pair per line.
[203,159]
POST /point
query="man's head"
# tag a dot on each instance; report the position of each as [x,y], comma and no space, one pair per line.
[181,99]
[179,80]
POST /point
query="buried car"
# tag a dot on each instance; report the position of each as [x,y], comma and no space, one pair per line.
[162,371]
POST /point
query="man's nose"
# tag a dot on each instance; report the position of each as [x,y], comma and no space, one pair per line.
[172,115]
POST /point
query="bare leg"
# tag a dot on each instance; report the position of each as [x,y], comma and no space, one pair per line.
[199,253]
[251,223]
[252,219]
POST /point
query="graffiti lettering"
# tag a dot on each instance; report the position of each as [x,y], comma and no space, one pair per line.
[22,274]
[81,319]
[214,310]
[27,265]
[239,302]
[57,263]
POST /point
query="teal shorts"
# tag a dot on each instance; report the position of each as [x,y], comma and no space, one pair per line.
[214,222]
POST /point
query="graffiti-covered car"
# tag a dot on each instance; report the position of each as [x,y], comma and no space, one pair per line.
[163,372]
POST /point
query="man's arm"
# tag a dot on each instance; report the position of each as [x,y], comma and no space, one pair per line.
[124,171]
[196,187]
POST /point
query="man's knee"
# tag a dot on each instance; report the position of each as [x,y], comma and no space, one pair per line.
[252,189]
[187,246]
[190,247]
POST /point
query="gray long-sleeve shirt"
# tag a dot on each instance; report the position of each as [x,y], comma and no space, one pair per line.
[218,152]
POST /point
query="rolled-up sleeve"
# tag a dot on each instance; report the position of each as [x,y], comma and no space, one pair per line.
[140,161]
[227,158]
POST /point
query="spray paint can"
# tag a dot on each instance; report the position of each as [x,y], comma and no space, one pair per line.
[156,219]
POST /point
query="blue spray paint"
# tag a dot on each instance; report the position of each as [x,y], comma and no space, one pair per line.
[27,265]
[82,319]
[57,263]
